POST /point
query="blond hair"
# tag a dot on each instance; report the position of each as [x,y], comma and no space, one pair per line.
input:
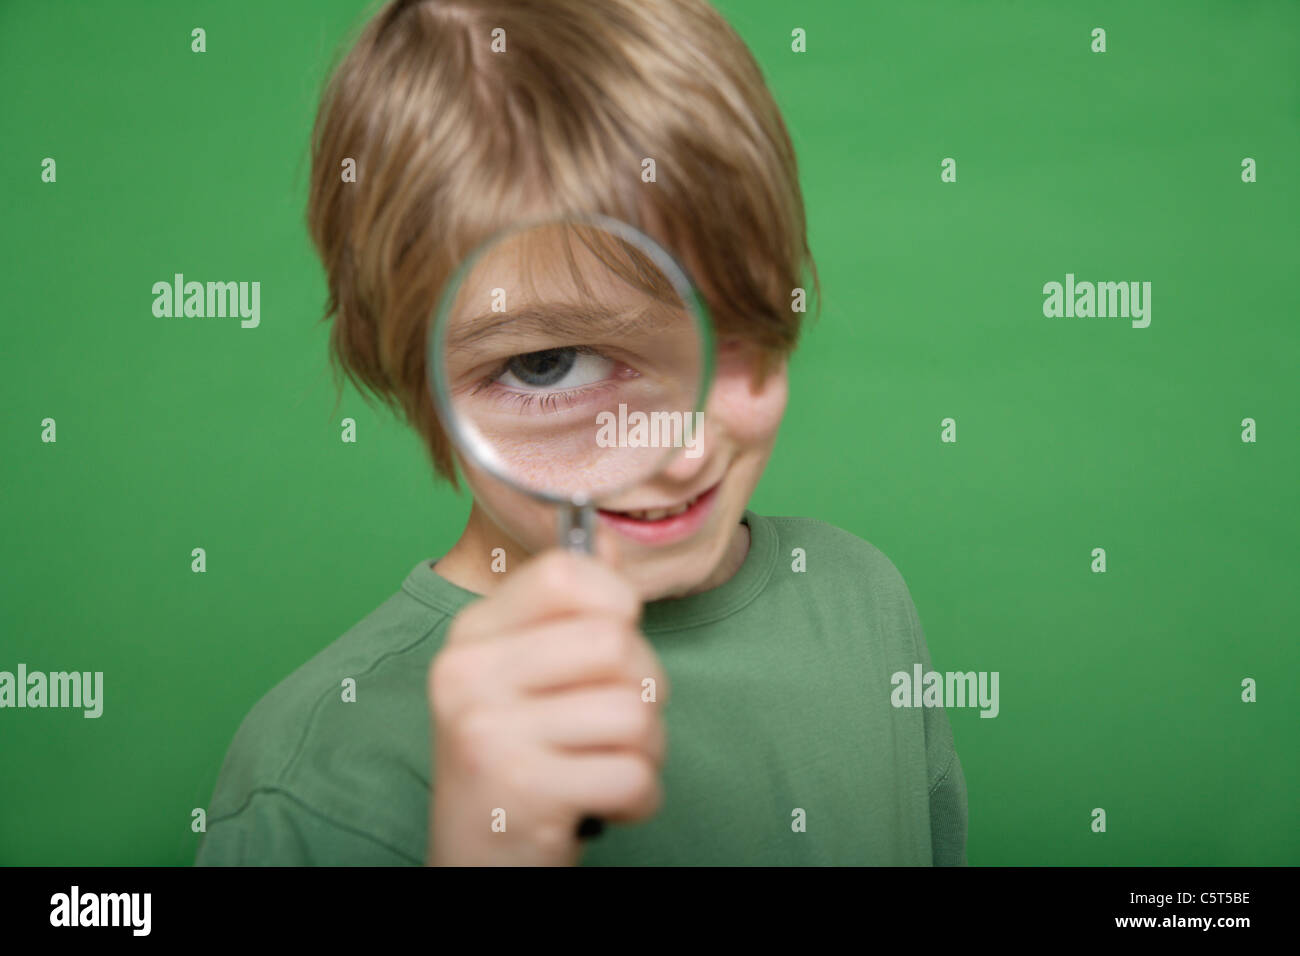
[453,142]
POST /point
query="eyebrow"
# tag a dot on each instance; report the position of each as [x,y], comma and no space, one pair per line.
[568,321]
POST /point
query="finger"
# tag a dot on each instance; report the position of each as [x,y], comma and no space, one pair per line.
[576,651]
[607,551]
[616,785]
[610,716]
[554,584]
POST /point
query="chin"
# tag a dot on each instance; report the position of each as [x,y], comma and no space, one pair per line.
[672,575]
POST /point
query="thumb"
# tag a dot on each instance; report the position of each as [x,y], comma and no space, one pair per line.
[606,547]
[608,552]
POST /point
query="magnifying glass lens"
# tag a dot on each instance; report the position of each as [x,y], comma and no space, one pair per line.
[572,359]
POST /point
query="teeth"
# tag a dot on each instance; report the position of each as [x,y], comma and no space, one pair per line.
[657,514]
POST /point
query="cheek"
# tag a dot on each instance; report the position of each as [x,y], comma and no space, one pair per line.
[750,413]
[529,522]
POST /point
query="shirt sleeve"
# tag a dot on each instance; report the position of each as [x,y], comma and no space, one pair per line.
[947,782]
[274,828]
[948,817]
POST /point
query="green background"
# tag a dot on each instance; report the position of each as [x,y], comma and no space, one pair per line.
[1118,690]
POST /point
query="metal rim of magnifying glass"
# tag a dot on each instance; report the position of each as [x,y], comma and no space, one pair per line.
[467,437]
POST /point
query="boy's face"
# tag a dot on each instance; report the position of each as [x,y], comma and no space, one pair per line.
[676,554]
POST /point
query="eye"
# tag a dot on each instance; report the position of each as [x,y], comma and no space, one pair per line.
[555,368]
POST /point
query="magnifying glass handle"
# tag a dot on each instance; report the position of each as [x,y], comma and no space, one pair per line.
[578,528]
[578,533]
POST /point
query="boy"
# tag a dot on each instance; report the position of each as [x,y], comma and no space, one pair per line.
[500,710]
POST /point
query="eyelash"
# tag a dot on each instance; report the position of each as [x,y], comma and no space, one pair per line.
[521,401]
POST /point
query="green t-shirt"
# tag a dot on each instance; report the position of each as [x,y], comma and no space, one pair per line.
[783,744]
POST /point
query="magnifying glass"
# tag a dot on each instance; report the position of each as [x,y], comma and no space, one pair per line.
[570,357]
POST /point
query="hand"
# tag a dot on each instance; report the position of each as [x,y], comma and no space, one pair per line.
[536,709]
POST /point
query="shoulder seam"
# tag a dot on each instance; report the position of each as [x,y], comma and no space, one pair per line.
[947,769]
[311,718]
[288,795]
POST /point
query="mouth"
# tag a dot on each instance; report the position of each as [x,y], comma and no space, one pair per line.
[663,525]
